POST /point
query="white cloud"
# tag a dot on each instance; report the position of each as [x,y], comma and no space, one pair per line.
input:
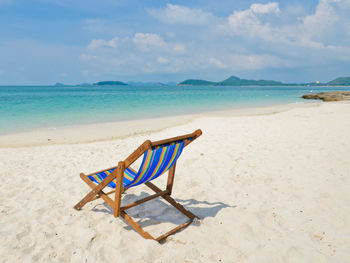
[180,48]
[248,22]
[258,38]
[269,8]
[162,60]
[325,28]
[217,63]
[97,43]
[321,21]
[147,53]
[256,61]
[250,61]
[147,41]
[177,14]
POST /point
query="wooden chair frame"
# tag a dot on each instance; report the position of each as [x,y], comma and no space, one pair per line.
[97,189]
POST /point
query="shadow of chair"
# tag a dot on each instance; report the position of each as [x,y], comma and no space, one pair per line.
[147,215]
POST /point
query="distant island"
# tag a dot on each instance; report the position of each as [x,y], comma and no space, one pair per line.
[342,81]
[116,83]
[153,84]
[236,81]
[104,83]
[197,82]
[231,81]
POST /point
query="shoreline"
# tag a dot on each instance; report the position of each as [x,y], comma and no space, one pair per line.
[106,131]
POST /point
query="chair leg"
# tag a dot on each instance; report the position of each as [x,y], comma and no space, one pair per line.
[99,196]
[96,190]
[118,189]
[135,225]
[147,235]
[173,231]
[171,175]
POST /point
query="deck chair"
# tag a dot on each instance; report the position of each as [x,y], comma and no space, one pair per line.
[158,157]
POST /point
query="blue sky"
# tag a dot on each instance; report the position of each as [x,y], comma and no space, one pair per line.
[49,41]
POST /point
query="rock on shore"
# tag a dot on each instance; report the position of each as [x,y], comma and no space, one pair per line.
[329,96]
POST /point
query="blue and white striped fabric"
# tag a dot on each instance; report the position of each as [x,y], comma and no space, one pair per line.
[156,161]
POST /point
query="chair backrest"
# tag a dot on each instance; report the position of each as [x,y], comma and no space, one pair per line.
[157,160]
[158,157]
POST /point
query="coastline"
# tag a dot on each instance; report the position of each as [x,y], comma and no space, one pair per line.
[86,133]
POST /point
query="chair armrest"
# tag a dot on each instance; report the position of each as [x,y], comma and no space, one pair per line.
[102,170]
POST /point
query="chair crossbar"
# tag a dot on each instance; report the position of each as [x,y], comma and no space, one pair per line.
[98,196]
[173,231]
[148,198]
[172,201]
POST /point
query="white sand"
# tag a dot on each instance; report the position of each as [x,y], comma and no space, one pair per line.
[269,188]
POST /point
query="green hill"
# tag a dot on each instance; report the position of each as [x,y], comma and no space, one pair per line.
[235,81]
[197,82]
[342,81]
[104,83]
[231,81]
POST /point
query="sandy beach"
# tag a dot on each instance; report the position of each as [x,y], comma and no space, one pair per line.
[270,185]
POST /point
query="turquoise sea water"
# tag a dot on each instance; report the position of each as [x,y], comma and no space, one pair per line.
[29,107]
